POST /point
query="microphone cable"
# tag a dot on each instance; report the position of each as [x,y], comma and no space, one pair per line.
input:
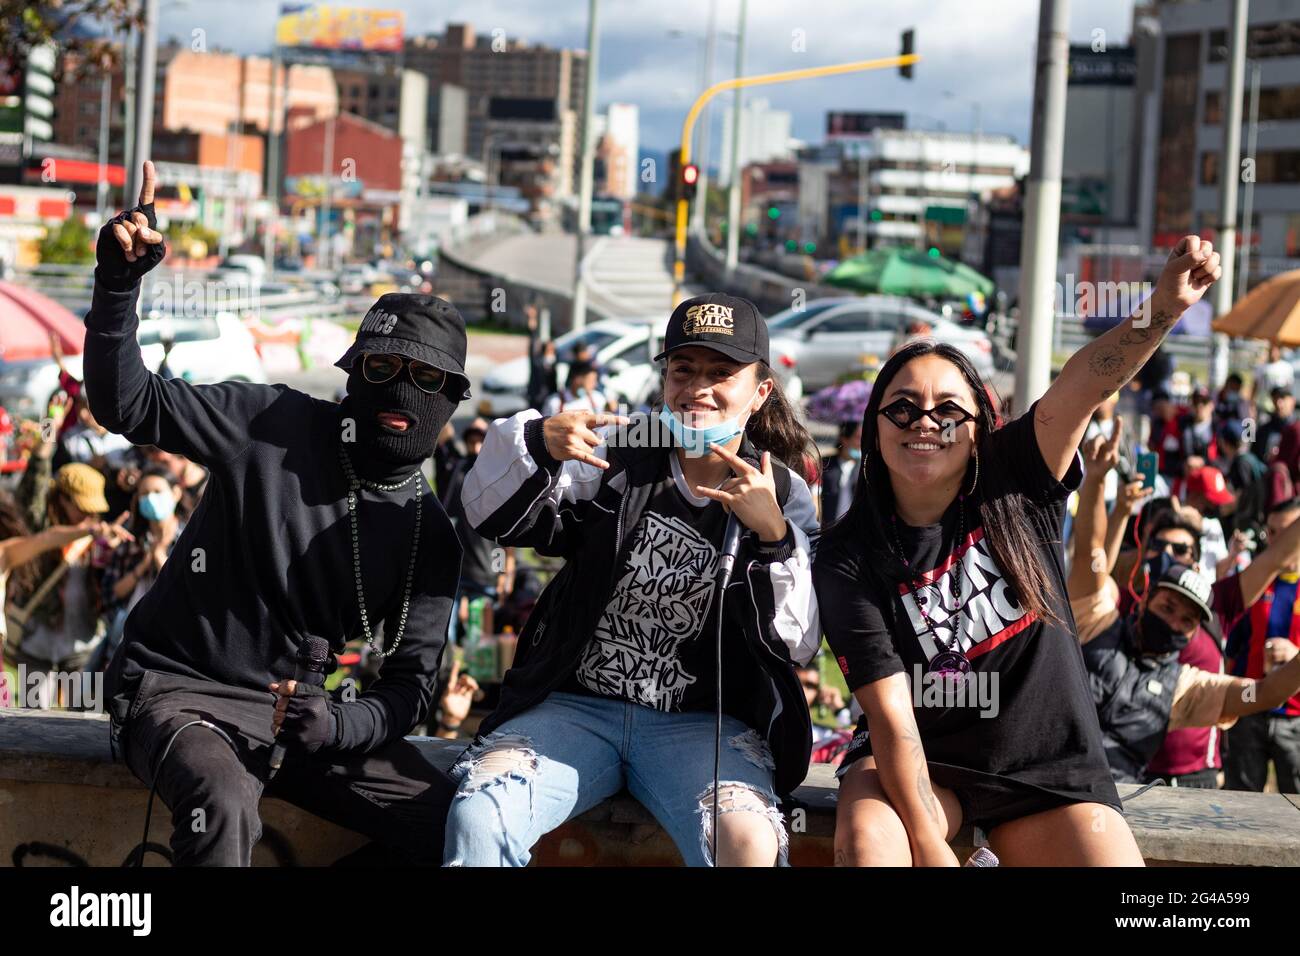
[138,853]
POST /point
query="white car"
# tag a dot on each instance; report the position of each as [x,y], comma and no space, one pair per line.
[830,337]
[624,350]
[207,349]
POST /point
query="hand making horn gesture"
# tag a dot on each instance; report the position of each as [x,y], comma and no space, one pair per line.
[751,494]
[129,244]
[569,435]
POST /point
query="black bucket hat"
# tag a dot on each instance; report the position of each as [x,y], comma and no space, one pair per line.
[418,326]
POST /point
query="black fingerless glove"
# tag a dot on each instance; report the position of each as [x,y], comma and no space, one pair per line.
[111,266]
[309,721]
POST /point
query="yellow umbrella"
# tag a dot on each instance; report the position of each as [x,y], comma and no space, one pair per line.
[1269,311]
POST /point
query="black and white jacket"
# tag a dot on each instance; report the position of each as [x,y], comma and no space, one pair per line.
[518,494]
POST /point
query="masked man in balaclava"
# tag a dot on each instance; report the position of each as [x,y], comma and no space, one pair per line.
[316,524]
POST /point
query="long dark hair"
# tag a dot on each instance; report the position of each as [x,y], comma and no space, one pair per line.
[776,428]
[1003,511]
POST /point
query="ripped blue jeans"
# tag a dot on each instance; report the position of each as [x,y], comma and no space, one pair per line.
[570,752]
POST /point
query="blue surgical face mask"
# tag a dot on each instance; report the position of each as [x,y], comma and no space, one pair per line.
[695,442]
[157,506]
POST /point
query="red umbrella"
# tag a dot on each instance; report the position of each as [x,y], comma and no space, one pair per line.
[28,318]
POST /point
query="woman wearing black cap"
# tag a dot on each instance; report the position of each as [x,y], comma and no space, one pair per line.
[946,572]
[615,679]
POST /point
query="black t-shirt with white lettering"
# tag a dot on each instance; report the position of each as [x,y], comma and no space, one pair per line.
[655,642]
[1039,727]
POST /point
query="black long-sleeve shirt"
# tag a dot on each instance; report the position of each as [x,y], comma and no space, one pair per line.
[266,559]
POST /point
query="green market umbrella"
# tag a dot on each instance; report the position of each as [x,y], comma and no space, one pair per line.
[908,272]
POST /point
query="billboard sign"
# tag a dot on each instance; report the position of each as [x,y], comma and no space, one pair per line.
[340,28]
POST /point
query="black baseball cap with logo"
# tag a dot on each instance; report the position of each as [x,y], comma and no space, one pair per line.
[418,326]
[1191,584]
[724,323]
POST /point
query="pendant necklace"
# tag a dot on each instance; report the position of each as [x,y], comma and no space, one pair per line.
[950,662]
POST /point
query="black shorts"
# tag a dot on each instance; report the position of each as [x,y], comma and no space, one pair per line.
[990,800]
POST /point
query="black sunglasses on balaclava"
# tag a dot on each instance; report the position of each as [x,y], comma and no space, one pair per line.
[398,420]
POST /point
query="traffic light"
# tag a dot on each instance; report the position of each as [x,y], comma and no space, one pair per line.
[690,180]
[909,47]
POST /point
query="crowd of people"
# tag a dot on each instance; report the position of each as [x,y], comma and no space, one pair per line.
[70,572]
[1025,611]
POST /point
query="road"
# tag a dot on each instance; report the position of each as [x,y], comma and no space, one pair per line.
[627,277]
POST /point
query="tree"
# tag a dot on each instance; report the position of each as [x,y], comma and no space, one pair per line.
[85,28]
[71,244]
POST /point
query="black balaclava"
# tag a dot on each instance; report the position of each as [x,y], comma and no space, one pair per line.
[414,326]
[378,451]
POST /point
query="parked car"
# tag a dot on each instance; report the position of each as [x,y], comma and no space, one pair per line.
[624,349]
[244,262]
[831,337]
[360,278]
[206,349]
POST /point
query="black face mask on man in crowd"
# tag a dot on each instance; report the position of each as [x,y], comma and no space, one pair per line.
[1153,635]
[423,328]
[1156,637]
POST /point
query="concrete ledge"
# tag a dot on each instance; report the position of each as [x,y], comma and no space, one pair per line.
[60,786]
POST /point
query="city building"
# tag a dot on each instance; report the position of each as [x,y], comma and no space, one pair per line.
[901,187]
[364,188]
[530,145]
[447,120]
[1183,143]
[764,135]
[1099,160]
[617,145]
[495,66]
[215,92]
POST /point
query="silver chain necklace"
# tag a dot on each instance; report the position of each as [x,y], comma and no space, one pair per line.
[354,483]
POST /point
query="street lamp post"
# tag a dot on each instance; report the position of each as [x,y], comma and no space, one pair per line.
[787,76]
[1248,193]
[699,214]
[579,319]
[733,175]
[146,77]
[1042,204]
[1229,172]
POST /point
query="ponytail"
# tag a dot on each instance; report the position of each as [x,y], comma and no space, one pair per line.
[776,428]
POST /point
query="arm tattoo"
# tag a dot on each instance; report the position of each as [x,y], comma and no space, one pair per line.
[1136,336]
[912,737]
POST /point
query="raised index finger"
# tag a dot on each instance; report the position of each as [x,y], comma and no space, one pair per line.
[147,181]
[738,464]
[606,418]
[1116,432]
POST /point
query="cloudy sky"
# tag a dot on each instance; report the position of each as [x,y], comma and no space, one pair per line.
[975,50]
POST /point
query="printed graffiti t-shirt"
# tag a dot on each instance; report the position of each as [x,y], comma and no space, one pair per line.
[654,643]
[1028,675]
